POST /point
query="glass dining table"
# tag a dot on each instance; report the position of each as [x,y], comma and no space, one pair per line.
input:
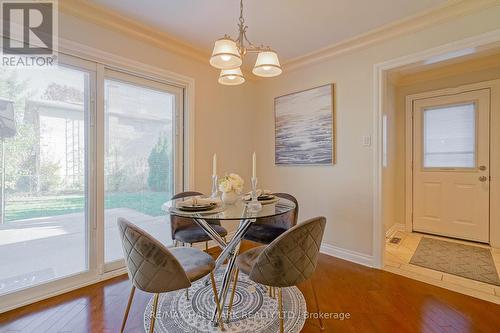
[239,211]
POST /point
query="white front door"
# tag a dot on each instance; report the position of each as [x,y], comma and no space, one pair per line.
[451,162]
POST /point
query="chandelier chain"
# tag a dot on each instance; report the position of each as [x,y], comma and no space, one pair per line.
[242,34]
[242,20]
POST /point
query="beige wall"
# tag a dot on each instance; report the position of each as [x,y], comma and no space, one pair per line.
[237,120]
[223,115]
[457,75]
[344,192]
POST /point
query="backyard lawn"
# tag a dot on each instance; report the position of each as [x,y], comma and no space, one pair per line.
[19,208]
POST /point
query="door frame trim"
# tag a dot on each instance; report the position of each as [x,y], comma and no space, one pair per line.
[409,143]
[380,79]
[80,52]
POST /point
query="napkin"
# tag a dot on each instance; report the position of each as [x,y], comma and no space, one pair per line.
[248,195]
[198,200]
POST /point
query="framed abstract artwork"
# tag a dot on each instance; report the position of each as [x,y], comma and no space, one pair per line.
[305,127]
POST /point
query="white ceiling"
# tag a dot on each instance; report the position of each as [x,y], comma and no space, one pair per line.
[291,27]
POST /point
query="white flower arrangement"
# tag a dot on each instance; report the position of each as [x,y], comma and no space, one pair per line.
[231,183]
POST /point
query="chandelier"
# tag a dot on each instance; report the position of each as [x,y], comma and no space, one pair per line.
[228,56]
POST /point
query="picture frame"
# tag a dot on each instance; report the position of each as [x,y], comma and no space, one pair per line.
[305,127]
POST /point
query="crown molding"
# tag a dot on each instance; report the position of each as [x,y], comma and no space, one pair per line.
[109,19]
[422,20]
[490,62]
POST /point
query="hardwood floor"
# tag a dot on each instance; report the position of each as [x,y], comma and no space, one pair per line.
[377,301]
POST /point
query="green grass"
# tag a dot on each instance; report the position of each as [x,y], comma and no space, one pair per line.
[31,207]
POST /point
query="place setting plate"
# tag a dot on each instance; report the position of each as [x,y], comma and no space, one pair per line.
[264,199]
[203,207]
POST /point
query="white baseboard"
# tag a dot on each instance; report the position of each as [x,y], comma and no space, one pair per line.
[356,257]
[395,228]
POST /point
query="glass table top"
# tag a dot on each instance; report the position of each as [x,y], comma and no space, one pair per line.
[237,211]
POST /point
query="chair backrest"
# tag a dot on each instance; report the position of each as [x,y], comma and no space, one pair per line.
[292,257]
[285,221]
[151,266]
[186,194]
[295,212]
[177,222]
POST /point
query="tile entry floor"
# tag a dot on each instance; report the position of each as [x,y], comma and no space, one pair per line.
[398,256]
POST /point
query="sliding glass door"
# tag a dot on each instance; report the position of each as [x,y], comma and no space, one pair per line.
[80,146]
[141,151]
[44,135]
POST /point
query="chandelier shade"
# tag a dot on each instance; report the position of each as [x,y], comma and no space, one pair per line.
[231,77]
[225,54]
[267,64]
[228,55]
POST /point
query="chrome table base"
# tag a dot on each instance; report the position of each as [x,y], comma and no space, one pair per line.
[229,251]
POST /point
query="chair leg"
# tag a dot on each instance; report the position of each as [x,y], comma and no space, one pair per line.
[153,313]
[130,298]
[217,303]
[187,294]
[317,306]
[232,295]
[272,292]
[280,310]
[206,246]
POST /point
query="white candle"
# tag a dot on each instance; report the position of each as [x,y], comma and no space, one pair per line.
[214,165]
[254,166]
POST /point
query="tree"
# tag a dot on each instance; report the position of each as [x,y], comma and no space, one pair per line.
[20,150]
[158,161]
[115,175]
[48,176]
[63,93]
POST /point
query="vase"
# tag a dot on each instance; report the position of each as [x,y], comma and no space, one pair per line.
[229,198]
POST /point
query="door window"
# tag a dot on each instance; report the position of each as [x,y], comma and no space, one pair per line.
[450,136]
[140,150]
[43,196]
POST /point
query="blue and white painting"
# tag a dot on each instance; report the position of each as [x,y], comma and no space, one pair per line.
[304,127]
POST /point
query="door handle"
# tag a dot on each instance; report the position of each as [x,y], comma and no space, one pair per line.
[483,178]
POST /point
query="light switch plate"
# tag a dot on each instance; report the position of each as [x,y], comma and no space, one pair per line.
[367,141]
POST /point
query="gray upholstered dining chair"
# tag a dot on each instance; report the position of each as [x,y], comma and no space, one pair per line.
[155,269]
[265,230]
[186,231]
[289,260]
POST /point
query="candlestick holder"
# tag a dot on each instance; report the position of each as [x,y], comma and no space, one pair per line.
[254,205]
[215,190]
